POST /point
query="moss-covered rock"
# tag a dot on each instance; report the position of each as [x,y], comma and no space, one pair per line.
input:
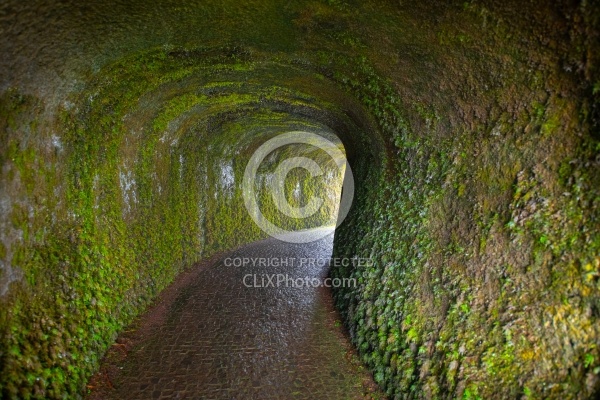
[471,128]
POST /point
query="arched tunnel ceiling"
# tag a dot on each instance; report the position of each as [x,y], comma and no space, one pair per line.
[56,44]
[471,127]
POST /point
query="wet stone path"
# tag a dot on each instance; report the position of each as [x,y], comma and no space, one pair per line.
[211,336]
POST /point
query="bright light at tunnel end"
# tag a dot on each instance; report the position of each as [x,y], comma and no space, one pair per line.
[249,194]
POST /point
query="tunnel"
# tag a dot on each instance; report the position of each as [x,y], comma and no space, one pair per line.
[453,148]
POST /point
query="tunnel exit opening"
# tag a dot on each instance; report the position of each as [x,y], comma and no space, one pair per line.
[293,182]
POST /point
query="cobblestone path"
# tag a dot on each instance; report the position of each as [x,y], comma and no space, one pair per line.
[219,339]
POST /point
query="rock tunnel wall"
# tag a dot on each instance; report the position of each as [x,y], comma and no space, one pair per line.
[144,180]
[471,128]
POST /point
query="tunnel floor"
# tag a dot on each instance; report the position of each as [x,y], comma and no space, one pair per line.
[209,336]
